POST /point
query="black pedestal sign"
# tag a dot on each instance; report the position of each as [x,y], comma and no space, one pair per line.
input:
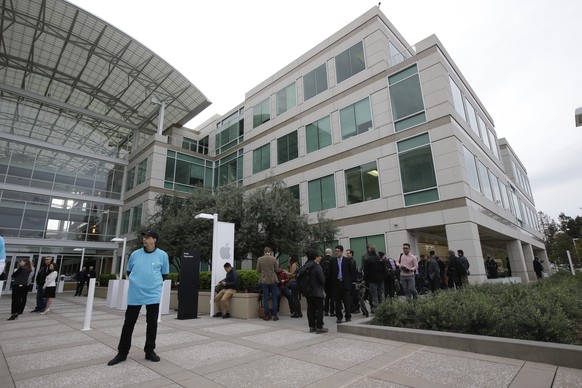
[189,282]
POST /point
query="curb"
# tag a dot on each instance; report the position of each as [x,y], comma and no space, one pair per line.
[543,352]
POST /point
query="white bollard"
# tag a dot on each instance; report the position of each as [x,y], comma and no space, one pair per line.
[112,289]
[165,299]
[1,287]
[89,306]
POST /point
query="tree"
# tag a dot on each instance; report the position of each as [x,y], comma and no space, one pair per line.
[265,216]
[559,238]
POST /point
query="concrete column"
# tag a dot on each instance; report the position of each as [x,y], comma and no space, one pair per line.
[528,256]
[543,256]
[465,236]
[517,260]
[395,241]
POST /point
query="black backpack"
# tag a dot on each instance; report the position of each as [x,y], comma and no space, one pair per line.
[304,279]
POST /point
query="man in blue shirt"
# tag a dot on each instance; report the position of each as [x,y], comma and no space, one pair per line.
[146,270]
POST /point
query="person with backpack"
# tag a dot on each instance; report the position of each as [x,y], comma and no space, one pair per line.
[374,271]
[311,281]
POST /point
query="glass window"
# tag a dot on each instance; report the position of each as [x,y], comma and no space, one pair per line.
[359,245]
[473,119]
[362,183]
[395,56]
[136,217]
[294,190]
[287,148]
[406,99]
[495,188]
[356,118]
[318,134]
[229,132]
[314,82]
[262,158]
[493,143]
[417,170]
[484,179]
[350,62]
[261,113]
[472,169]
[504,198]
[125,218]
[457,99]
[230,169]
[286,99]
[142,169]
[130,179]
[321,193]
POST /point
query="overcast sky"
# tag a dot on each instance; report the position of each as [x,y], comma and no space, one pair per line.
[522,58]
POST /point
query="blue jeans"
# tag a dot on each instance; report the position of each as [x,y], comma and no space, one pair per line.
[376,294]
[273,290]
[408,286]
[40,299]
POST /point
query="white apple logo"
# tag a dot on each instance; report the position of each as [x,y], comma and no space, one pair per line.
[225,252]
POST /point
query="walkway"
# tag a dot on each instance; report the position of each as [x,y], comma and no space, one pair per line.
[53,351]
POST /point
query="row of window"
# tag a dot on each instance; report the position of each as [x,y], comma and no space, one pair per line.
[347,64]
[184,172]
[487,183]
[362,183]
[136,175]
[521,178]
[200,146]
[131,219]
[407,109]
[476,123]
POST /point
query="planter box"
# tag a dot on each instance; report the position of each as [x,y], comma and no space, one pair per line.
[242,305]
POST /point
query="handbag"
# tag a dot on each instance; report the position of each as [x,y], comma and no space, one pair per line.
[219,287]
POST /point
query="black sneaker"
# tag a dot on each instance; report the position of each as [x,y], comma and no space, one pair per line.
[152,357]
[117,359]
[312,329]
[217,315]
[321,330]
[227,315]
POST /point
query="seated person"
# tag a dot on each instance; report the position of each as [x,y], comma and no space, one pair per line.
[222,299]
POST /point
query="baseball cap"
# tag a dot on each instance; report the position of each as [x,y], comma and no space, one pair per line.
[151,233]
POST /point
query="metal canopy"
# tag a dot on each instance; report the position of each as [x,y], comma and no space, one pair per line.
[69,78]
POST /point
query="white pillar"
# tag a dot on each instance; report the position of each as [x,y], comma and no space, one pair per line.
[465,236]
[517,260]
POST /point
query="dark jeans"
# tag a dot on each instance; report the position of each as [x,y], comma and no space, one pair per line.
[19,295]
[286,292]
[315,311]
[40,299]
[389,289]
[273,290]
[131,315]
[329,303]
[434,283]
[79,289]
[295,293]
[343,294]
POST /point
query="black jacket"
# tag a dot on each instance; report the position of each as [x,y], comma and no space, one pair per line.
[374,269]
[348,271]
[41,275]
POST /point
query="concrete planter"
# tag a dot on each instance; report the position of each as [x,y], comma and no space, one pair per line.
[244,305]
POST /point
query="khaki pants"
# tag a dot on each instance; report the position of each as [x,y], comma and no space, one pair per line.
[222,299]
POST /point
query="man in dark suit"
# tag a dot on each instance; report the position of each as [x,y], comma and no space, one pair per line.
[343,272]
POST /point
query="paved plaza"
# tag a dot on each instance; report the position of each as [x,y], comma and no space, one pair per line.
[54,351]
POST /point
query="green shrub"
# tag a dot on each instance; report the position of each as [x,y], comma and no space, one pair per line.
[105,278]
[173,276]
[205,280]
[548,311]
[247,279]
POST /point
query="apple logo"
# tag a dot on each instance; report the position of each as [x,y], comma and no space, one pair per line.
[225,252]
